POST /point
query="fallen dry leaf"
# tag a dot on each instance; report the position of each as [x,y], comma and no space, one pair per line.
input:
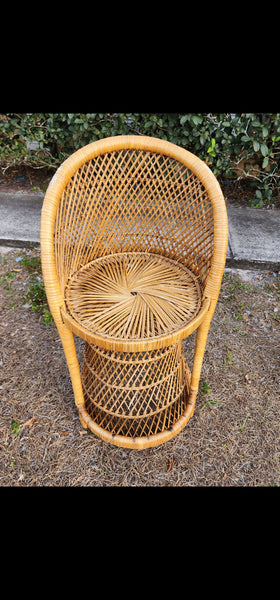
[171,463]
[28,423]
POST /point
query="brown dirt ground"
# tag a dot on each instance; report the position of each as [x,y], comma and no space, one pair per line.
[22,178]
[232,439]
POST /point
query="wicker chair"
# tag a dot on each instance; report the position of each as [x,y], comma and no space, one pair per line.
[133,241]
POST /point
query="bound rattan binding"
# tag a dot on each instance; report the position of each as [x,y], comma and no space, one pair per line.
[133,239]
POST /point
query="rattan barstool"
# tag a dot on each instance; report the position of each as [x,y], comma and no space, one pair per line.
[133,240]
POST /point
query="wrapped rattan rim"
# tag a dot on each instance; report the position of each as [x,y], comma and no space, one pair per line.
[134,345]
[179,297]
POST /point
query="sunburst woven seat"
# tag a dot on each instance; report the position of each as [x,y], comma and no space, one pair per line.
[133,238]
[133,296]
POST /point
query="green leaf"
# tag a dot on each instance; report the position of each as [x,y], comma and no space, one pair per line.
[256,146]
[265,162]
[211,147]
[197,120]
[184,119]
[258,194]
[265,132]
[264,149]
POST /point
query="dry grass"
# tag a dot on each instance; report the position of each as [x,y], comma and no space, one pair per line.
[232,439]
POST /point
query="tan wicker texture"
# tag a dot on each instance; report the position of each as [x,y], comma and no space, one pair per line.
[134,239]
[135,394]
[133,296]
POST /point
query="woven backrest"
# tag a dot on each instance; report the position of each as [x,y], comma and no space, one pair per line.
[132,193]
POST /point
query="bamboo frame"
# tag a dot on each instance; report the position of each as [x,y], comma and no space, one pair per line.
[133,239]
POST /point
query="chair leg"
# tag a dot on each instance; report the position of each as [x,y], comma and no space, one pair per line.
[201,339]
[69,348]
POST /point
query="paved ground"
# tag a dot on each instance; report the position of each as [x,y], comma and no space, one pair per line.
[254,234]
[20,218]
[254,238]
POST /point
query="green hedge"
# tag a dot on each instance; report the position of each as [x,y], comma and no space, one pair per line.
[238,146]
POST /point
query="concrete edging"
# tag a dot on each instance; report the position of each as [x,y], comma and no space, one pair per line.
[254,234]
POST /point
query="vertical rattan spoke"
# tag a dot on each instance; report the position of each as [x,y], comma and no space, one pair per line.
[111,296]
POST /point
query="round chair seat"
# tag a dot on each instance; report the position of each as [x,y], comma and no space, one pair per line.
[133,296]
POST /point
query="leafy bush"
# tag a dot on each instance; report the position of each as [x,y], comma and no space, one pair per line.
[36,293]
[244,146]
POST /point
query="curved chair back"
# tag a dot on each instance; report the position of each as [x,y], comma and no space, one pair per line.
[133,193]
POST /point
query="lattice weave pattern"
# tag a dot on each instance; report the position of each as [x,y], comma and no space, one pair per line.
[129,201]
[135,394]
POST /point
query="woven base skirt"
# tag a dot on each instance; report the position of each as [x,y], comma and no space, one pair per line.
[135,395]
